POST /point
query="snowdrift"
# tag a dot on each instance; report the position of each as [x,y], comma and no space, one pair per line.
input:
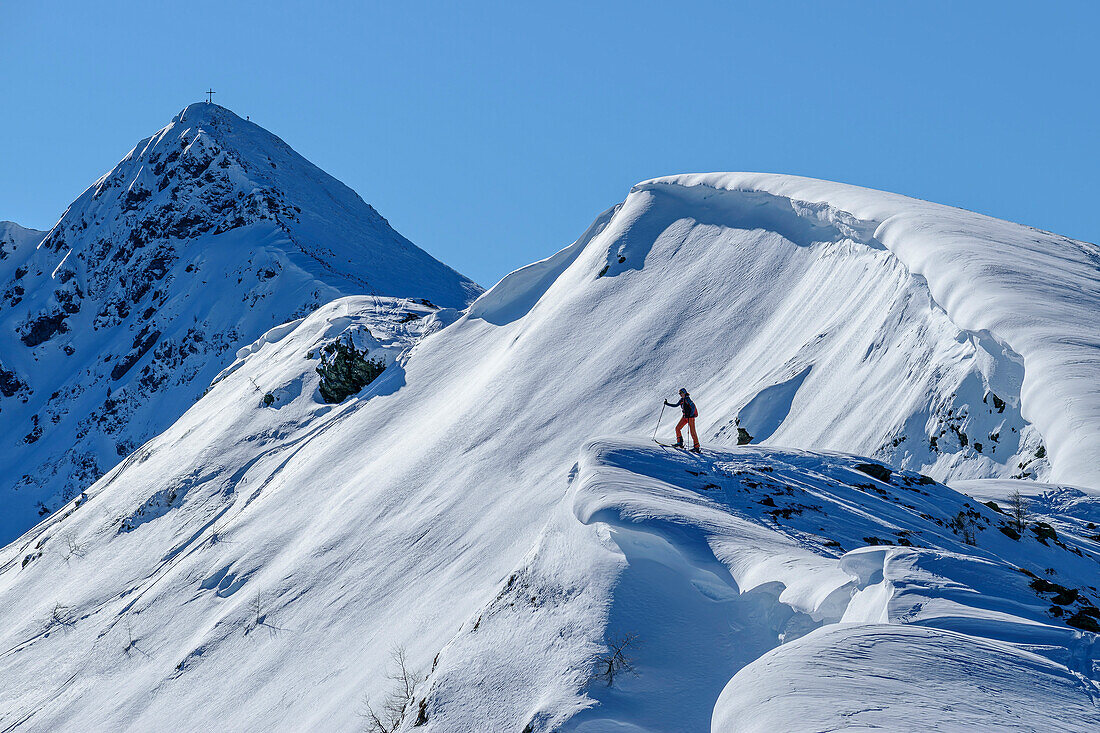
[903,678]
[255,565]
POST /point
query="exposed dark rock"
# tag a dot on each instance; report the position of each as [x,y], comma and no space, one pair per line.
[43,328]
[1044,532]
[1084,621]
[345,370]
[128,361]
[10,383]
[875,470]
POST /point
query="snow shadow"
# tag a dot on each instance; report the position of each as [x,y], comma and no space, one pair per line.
[387,383]
[692,630]
[765,412]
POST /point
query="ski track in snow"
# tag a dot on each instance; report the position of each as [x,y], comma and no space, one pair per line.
[254,566]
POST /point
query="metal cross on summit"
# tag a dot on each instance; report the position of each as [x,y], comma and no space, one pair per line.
[210,96]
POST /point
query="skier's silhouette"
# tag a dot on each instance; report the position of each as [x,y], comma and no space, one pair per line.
[690,413]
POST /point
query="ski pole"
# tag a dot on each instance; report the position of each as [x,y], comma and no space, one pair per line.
[663,406]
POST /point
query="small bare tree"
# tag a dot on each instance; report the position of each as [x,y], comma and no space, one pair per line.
[60,616]
[391,713]
[1018,511]
[72,549]
[616,660]
[962,524]
[129,638]
[261,611]
[131,642]
[256,609]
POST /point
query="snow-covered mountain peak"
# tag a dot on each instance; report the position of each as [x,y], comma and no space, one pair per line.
[198,113]
[209,171]
[202,237]
[828,315]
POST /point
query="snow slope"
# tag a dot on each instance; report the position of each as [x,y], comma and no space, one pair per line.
[16,246]
[1028,297]
[750,548]
[254,566]
[203,237]
[902,678]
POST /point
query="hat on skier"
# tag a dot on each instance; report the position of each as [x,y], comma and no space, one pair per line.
[683,390]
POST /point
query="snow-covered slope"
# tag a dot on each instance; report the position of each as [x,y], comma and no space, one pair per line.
[255,565]
[203,237]
[733,576]
[1028,299]
[16,246]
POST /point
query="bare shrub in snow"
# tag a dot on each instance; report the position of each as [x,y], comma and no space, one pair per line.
[60,615]
[964,525]
[72,548]
[260,614]
[256,609]
[131,642]
[1018,511]
[399,700]
[616,660]
[129,638]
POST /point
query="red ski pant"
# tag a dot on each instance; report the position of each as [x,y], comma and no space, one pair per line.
[690,422]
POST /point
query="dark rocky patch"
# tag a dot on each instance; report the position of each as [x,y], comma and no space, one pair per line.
[875,471]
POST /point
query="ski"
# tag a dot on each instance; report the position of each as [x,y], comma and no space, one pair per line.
[668,445]
[677,447]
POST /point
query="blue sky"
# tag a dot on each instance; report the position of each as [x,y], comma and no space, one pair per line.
[491,134]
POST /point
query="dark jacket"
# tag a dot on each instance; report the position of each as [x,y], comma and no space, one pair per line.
[686,405]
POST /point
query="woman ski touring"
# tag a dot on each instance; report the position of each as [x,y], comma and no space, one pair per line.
[690,413]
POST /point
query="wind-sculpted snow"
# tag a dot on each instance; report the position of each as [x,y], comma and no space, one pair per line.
[203,237]
[255,565]
[904,678]
[515,295]
[731,573]
[1036,295]
[792,322]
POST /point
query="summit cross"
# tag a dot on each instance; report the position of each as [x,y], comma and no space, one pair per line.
[210,96]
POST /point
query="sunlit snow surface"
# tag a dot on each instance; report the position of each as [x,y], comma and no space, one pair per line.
[252,567]
[717,560]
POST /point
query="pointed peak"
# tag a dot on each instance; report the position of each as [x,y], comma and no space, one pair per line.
[206,112]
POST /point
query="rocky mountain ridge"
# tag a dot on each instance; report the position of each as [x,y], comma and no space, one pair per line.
[204,236]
